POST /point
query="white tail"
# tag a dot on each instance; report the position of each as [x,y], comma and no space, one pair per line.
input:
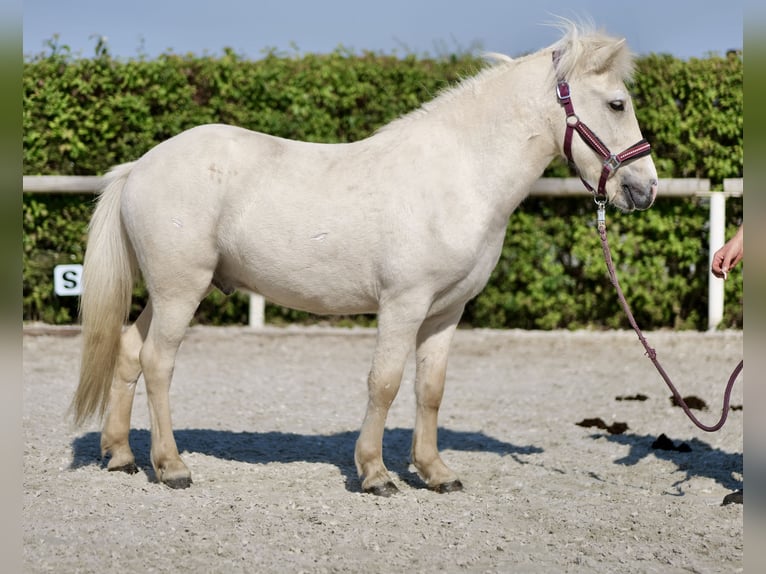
[108,272]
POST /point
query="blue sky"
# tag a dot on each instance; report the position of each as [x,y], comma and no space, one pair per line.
[683,28]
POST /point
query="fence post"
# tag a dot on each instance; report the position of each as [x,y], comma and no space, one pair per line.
[717,234]
[256,315]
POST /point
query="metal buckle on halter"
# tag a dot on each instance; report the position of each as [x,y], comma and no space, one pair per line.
[562,91]
[612,163]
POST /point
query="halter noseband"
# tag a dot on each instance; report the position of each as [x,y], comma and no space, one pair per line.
[611,161]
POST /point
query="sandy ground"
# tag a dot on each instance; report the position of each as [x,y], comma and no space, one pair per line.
[267,421]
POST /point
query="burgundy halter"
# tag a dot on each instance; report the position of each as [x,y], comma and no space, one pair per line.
[611,161]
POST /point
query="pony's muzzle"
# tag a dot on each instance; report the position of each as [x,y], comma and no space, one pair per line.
[638,193]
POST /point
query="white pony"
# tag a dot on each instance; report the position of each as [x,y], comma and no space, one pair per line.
[407,223]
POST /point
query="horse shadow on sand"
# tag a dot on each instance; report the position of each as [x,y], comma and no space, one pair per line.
[280,447]
[700,459]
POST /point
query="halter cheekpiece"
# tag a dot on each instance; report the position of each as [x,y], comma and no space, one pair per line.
[611,161]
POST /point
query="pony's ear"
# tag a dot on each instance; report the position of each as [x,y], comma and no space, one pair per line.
[609,56]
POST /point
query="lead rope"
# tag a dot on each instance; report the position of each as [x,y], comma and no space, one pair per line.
[650,352]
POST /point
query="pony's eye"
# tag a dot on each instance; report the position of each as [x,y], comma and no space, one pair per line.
[617,105]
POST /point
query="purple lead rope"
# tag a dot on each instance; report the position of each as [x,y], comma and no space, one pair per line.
[650,352]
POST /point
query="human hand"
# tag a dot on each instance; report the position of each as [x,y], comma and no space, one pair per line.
[729,255]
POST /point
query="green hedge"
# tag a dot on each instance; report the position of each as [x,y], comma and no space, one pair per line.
[83,115]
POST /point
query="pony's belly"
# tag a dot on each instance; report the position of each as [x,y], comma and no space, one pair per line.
[323,291]
[335,302]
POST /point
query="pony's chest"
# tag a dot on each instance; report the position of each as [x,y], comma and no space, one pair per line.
[466,280]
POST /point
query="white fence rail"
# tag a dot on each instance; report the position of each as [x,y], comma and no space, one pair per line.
[550,187]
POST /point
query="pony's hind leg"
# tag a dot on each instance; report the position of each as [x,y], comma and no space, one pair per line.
[434,339]
[171,317]
[114,437]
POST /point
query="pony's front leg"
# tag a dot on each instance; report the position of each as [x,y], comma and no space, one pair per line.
[434,339]
[396,338]
[114,436]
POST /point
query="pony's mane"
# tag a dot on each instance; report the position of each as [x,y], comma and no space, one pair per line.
[497,64]
[578,51]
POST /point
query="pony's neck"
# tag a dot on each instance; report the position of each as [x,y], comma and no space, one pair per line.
[504,118]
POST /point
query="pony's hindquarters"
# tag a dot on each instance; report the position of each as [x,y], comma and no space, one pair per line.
[108,272]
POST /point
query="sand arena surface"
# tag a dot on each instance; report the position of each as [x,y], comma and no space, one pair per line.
[267,420]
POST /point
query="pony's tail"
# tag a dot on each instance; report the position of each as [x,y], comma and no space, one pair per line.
[107,286]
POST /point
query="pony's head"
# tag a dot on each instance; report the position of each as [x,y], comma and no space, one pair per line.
[598,130]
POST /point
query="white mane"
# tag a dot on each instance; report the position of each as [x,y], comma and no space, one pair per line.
[581,49]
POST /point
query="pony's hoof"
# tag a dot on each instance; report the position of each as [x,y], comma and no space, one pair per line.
[129,468]
[452,486]
[733,497]
[386,489]
[178,483]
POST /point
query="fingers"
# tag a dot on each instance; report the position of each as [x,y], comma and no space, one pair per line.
[717,266]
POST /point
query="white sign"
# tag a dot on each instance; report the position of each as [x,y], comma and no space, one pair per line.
[66,279]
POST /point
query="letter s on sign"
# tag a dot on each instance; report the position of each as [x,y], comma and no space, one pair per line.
[66,280]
